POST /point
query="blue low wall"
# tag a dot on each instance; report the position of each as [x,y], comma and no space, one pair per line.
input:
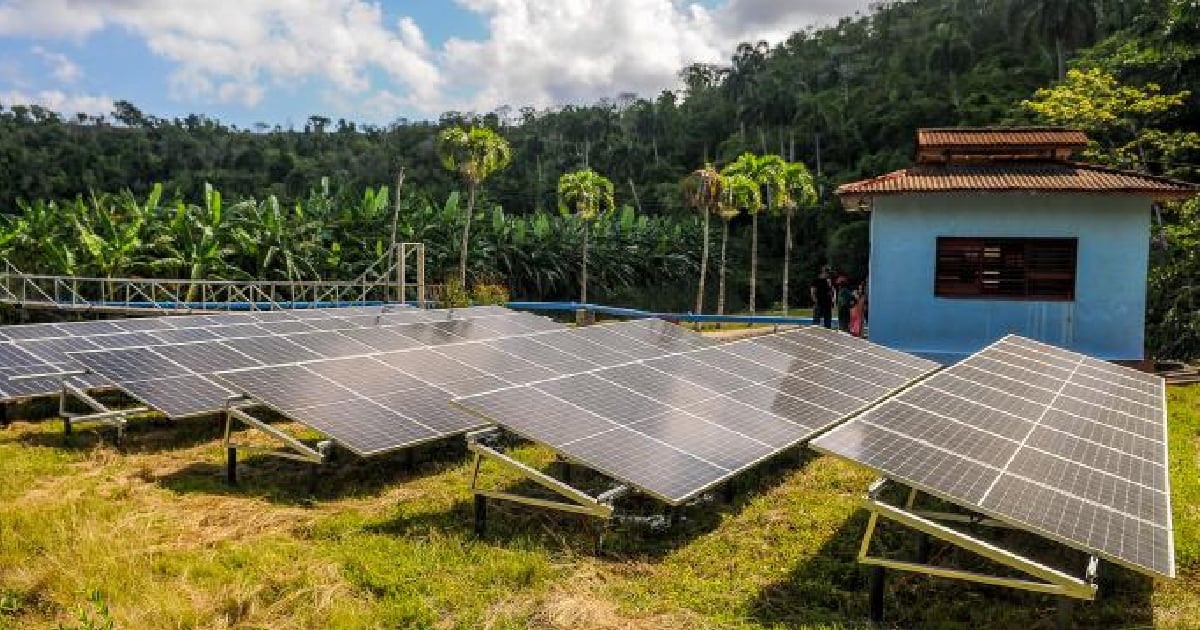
[564,307]
[614,311]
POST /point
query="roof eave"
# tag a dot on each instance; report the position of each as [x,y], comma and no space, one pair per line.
[861,201]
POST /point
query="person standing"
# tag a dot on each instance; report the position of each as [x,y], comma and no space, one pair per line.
[845,302]
[821,292]
[858,314]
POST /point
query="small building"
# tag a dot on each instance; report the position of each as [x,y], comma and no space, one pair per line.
[996,231]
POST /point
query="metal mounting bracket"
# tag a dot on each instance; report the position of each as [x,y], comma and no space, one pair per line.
[101,414]
[292,447]
[1046,579]
[599,507]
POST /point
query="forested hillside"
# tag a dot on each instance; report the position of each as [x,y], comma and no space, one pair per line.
[845,100]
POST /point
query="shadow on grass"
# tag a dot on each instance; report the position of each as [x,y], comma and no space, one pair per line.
[644,528]
[143,434]
[832,587]
[290,482]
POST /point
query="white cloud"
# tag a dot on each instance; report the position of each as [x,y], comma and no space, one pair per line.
[535,52]
[61,66]
[548,53]
[59,101]
[232,51]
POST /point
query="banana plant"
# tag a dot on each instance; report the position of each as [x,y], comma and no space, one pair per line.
[196,242]
[111,231]
[39,239]
[278,243]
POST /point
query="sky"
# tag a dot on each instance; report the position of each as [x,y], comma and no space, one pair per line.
[280,61]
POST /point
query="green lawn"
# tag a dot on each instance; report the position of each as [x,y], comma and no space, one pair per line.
[165,544]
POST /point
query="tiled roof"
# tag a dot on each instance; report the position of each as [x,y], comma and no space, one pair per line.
[1000,137]
[1049,177]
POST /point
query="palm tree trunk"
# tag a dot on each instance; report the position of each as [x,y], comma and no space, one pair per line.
[1058,49]
[787,256]
[583,275]
[721,276]
[462,259]
[703,266]
[753,259]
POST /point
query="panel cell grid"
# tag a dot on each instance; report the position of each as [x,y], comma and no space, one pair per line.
[674,426]
[1045,439]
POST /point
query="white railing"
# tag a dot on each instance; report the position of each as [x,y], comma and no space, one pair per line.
[385,280]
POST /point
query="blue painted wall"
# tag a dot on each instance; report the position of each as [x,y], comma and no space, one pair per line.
[1106,320]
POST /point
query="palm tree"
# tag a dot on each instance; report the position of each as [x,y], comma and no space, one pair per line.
[474,153]
[951,51]
[798,191]
[702,191]
[590,195]
[737,193]
[766,172]
[1070,23]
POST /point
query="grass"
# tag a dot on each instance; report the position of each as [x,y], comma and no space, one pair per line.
[154,536]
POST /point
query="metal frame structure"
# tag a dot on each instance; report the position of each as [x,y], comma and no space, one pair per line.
[299,451]
[403,252]
[149,295]
[1045,579]
[600,506]
[100,414]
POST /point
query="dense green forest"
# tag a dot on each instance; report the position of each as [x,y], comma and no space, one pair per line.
[845,100]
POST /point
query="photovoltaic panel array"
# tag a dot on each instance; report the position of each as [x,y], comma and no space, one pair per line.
[676,425]
[391,400]
[44,348]
[174,378]
[1051,441]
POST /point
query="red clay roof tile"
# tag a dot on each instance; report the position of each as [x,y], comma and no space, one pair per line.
[1000,137]
[1051,177]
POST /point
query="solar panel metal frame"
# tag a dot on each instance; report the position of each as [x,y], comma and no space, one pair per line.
[532,331]
[55,365]
[482,343]
[463,402]
[222,342]
[1010,520]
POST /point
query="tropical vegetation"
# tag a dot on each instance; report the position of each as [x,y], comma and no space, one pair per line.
[300,201]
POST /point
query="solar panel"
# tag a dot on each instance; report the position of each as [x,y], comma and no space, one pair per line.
[675,426]
[183,335]
[1044,439]
[34,331]
[417,384]
[143,323]
[179,396]
[169,374]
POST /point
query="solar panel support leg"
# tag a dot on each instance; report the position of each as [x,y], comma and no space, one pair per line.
[299,450]
[1052,581]
[480,515]
[1066,610]
[583,502]
[231,465]
[878,580]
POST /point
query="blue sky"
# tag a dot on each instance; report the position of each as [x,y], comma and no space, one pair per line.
[279,61]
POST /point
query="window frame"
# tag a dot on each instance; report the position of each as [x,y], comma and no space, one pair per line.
[1006,268]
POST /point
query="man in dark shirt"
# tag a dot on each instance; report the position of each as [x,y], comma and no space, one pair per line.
[821,292]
